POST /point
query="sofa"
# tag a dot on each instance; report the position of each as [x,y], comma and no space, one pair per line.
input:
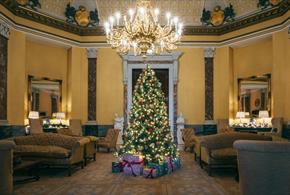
[217,150]
[52,149]
[264,167]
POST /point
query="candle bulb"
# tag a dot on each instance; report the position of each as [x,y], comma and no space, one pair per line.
[111,19]
[118,16]
[156,12]
[175,20]
[168,15]
[131,13]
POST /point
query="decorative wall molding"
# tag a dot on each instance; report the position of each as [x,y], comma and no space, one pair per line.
[209,52]
[92,52]
[243,22]
[4,29]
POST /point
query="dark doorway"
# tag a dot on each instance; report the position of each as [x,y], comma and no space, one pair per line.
[163,77]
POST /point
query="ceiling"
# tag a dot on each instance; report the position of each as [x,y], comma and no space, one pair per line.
[188,10]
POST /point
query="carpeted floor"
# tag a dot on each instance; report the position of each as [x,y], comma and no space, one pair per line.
[96,178]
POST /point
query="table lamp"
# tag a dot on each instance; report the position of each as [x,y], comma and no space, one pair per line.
[263,114]
[240,115]
[33,115]
[60,115]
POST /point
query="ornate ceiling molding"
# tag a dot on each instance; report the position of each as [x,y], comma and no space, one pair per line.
[243,22]
[4,29]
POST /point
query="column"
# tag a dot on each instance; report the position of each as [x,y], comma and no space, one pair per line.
[92,93]
[208,58]
[77,84]
[4,35]
[17,104]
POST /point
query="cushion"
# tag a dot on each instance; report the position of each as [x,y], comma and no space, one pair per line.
[41,151]
[224,153]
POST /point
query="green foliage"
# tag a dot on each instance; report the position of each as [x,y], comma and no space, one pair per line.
[148,133]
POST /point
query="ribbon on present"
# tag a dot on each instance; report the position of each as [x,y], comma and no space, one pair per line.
[130,163]
[151,173]
[170,164]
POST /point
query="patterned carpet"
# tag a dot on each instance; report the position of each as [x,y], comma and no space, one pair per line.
[96,178]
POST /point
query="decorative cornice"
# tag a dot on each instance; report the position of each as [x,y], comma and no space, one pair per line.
[252,19]
[92,52]
[4,29]
[209,52]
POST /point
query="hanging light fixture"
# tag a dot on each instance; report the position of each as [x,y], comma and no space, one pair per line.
[141,32]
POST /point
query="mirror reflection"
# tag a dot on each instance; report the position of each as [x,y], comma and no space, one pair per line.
[254,95]
[45,96]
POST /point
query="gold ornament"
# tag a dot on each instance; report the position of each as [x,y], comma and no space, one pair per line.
[82,16]
[218,16]
[22,2]
[275,2]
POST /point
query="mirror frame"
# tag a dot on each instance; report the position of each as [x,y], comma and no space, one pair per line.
[34,78]
[266,78]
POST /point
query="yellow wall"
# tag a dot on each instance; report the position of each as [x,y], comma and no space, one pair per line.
[281,79]
[109,86]
[254,59]
[45,60]
[223,83]
[191,85]
[77,84]
[17,82]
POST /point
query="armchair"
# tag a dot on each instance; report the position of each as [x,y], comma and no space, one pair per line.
[109,141]
[217,150]
[75,130]
[223,126]
[188,138]
[263,167]
[35,126]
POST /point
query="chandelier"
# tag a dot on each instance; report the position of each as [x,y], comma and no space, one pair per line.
[140,31]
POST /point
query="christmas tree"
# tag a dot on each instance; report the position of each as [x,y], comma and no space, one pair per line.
[148,132]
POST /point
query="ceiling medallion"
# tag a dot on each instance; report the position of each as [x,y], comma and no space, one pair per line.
[141,31]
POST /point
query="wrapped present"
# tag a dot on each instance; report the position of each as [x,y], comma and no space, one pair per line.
[117,167]
[133,164]
[150,172]
[161,168]
[173,163]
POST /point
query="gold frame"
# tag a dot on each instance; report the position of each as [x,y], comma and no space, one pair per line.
[265,78]
[34,78]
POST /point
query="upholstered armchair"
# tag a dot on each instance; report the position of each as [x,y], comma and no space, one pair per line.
[264,167]
[223,126]
[75,129]
[188,138]
[6,169]
[35,126]
[217,150]
[276,132]
[109,141]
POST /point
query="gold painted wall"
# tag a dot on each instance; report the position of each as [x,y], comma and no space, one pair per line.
[109,86]
[17,82]
[223,83]
[252,60]
[46,60]
[191,85]
[281,79]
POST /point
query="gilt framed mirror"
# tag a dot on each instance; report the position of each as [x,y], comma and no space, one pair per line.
[44,95]
[255,94]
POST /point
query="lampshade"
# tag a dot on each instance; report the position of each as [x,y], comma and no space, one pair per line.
[240,115]
[33,115]
[60,115]
[263,114]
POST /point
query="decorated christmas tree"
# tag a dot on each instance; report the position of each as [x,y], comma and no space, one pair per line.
[148,133]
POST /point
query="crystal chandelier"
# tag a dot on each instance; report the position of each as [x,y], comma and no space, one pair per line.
[141,33]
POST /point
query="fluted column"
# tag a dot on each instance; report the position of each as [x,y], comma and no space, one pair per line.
[208,59]
[92,76]
[4,35]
